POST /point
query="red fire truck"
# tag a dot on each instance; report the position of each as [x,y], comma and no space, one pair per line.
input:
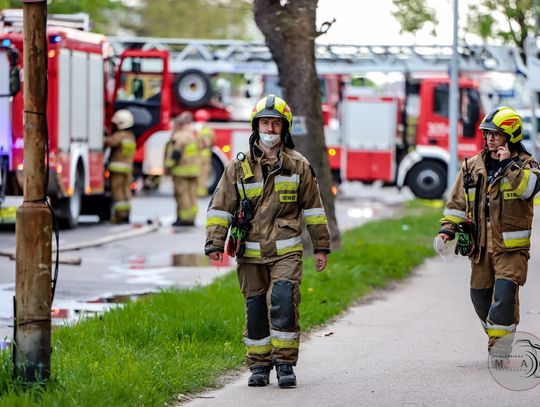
[398,139]
[84,89]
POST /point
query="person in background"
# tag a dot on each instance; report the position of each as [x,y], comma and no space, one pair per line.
[182,162]
[122,145]
[205,141]
[490,209]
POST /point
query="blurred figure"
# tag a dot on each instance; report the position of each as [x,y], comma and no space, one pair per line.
[14,72]
[182,162]
[122,144]
[205,142]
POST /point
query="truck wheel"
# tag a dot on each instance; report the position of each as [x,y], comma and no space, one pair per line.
[69,209]
[428,180]
[215,174]
[192,88]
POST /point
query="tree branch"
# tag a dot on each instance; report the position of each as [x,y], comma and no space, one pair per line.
[325,27]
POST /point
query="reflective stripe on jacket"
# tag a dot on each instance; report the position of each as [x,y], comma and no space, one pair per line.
[123,146]
[511,195]
[184,142]
[289,194]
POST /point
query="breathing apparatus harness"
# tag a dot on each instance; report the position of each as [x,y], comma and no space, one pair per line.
[467,230]
[241,223]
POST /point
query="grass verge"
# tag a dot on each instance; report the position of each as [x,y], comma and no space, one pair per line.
[179,342]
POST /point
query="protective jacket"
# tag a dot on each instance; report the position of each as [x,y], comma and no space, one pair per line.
[183,158]
[509,194]
[280,195]
[122,144]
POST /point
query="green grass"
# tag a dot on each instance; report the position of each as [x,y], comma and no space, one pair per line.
[180,342]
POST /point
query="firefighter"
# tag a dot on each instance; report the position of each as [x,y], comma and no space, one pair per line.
[490,209]
[122,144]
[205,140]
[14,72]
[182,162]
[263,196]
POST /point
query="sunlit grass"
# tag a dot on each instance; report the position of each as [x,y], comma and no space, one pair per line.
[180,342]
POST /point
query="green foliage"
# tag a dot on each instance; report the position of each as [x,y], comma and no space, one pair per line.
[192,19]
[412,15]
[509,21]
[98,10]
[179,342]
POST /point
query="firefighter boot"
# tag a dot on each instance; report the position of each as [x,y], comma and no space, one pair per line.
[285,375]
[260,376]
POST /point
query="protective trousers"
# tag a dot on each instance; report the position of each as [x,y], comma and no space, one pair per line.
[272,300]
[185,194]
[121,196]
[204,174]
[495,282]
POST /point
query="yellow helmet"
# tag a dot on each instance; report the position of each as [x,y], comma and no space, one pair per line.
[506,120]
[271,106]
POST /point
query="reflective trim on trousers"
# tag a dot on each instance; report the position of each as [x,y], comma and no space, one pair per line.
[258,346]
[117,166]
[121,206]
[517,239]
[499,330]
[282,339]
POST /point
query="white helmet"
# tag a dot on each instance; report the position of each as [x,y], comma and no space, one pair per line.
[123,119]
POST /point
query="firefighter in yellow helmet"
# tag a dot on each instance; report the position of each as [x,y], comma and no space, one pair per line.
[263,197]
[122,144]
[182,162]
[490,210]
[205,141]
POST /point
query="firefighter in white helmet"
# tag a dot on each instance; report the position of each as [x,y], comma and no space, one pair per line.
[264,196]
[122,145]
[182,162]
[490,210]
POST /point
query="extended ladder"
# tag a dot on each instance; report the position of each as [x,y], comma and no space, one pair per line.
[246,57]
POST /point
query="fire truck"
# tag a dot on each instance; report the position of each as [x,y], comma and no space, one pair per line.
[400,139]
[85,87]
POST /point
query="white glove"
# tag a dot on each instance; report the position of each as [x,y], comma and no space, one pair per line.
[440,246]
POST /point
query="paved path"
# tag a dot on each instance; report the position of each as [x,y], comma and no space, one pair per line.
[418,344]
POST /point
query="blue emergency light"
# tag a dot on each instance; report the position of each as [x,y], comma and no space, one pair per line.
[6,42]
[55,39]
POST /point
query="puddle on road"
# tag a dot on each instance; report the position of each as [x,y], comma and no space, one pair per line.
[163,260]
[71,312]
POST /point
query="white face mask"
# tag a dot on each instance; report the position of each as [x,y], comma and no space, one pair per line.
[270,140]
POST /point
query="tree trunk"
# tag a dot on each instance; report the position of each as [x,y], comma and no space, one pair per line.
[290,34]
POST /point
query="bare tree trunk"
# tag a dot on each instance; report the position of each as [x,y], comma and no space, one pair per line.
[290,33]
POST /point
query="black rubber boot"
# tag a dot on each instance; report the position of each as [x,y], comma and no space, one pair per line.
[260,376]
[285,375]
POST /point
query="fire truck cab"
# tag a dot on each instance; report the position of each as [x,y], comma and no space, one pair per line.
[82,95]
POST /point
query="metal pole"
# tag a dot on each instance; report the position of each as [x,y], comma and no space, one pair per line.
[531,51]
[453,103]
[32,351]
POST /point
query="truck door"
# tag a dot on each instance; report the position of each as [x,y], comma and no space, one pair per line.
[5,118]
[142,86]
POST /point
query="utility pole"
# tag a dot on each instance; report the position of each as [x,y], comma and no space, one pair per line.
[453,103]
[32,350]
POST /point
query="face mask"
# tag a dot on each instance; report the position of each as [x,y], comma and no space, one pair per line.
[270,140]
